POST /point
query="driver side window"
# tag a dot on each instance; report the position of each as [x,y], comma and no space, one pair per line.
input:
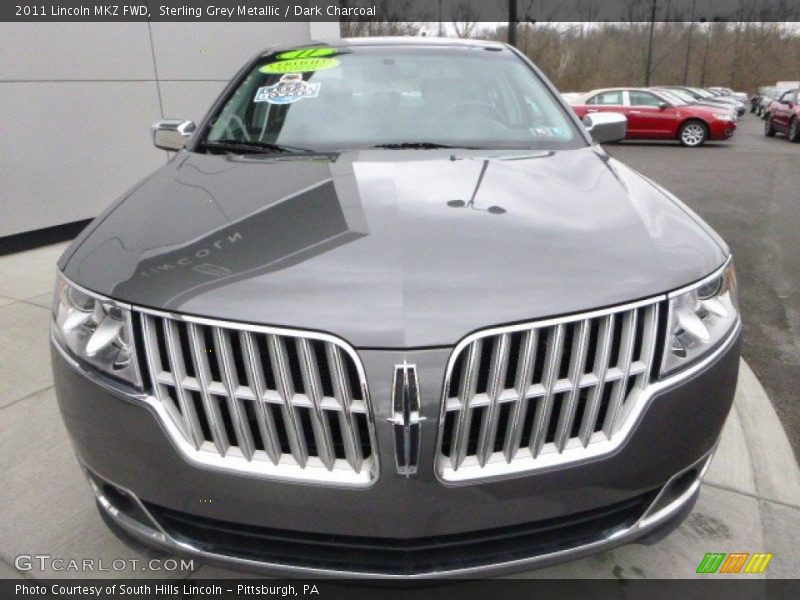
[643,99]
[608,99]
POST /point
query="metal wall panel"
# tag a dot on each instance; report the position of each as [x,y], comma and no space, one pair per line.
[78,100]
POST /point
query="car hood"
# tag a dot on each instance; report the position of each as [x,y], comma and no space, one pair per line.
[400,249]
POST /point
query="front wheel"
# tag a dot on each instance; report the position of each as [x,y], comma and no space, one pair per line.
[794,130]
[693,133]
[769,128]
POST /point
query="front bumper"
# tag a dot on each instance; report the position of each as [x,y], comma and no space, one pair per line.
[721,130]
[150,491]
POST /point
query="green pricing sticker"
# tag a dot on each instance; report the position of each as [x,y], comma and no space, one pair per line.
[306,53]
[300,65]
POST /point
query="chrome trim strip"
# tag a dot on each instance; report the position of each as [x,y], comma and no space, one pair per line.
[649,518]
[88,292]
[717,273]
[158,537]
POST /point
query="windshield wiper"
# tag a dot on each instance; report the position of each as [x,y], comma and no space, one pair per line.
[253,146]
[416,146]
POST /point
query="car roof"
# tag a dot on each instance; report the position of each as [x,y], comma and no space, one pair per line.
[406,41]
[586,95]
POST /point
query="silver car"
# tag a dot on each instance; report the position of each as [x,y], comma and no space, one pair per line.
[391,311]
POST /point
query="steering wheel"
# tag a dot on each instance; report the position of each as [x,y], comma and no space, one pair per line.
[489,111]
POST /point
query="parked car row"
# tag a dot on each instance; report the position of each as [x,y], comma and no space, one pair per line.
[690,115]
[761,100]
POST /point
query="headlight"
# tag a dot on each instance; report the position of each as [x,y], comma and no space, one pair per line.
[96,330]
[724,117]
[700,317]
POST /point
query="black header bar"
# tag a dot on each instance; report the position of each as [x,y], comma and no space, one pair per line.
[527,11]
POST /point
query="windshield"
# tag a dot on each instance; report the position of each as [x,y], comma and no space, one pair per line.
[332,99]
[702,93]
[674,98]
[685,96]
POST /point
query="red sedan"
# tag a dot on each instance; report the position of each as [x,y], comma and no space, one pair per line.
[659,115]
[784,116]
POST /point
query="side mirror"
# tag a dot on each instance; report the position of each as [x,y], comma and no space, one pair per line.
[662,105]
[172,134]
[606,127]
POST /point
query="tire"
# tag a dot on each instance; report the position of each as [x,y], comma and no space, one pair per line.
[693,133]
[769,128]
[794,130]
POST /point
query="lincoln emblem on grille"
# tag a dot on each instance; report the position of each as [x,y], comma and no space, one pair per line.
[406,418]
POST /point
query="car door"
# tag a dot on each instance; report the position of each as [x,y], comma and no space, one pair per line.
[610,101]
[786,109]
[648,116]
[781,111]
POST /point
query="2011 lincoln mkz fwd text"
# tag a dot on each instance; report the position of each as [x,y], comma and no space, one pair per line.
[391,310]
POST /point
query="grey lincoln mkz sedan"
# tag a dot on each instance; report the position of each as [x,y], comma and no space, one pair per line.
[392,311]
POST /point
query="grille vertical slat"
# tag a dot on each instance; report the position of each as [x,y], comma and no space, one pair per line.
[566,393]
[224,357]
[553,358]
[255,375]
[155,367]
[259,400]
[203,373]
[283,378]
[580,347]
[624,363]
[467,386]
[191,421]
[344,396]
[313,389]
[650,337]
[522,384]
[605,337]
[497,377]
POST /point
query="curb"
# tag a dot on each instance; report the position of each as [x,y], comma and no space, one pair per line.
[757,458]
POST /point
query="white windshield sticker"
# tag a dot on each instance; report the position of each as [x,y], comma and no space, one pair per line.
[290,88]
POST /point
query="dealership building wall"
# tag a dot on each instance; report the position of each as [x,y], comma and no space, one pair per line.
[77,101]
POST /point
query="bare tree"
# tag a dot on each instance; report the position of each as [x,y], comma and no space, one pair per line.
[393,19]
[578,57]
[465,17]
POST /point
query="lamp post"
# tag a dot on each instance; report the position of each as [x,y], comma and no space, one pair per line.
[512,22]
[649,62]
[705,56]
[527,30]
[689,45]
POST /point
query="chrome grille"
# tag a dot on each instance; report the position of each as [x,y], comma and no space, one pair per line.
[531,396]
[278,403]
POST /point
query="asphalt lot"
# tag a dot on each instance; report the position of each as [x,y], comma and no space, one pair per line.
[748,189]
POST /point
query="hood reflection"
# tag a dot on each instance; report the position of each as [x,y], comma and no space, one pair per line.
[286,232]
